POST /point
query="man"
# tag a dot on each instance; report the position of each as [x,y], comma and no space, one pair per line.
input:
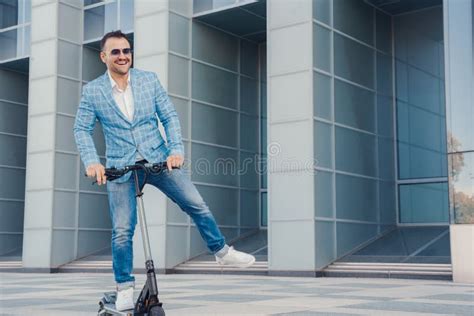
[127,103]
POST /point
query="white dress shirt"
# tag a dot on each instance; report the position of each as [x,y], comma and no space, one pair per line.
[124,99]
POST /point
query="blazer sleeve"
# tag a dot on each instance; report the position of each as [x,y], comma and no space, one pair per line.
[169,118]
[83,129]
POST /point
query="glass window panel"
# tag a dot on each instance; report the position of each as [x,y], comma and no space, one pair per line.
[324,243]
[249,132]
[354,106]
[8,13]
[386,157]
[100,20]
[356,198]
[178,75]
[223,202]
[355,18]
[27,41]
[263,169]
[220,125]
[417,162]
[323,194]
[384,74]
[8,44]
[383,31]
[322,47]
[424,203]
[13,151]
[202,5]
[27,17]
[126,15]
[249,58]
[323,144]
[67,53]
[322,11]
[384,116]
[388,212]
[89,2]
[322,96]
[360,147]
[353,61]
[248,170]
[461,180]
[249,208]
[349,236]
[249,95]
[214,85]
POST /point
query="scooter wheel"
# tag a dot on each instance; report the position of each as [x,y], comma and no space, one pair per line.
[156,311]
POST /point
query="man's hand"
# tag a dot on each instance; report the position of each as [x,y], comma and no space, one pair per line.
[97,171]
[174,161]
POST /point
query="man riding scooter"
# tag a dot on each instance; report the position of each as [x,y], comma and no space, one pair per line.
[127,102]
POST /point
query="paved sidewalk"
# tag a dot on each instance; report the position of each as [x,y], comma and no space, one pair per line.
[78,294]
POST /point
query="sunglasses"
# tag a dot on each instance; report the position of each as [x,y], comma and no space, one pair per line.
[116,51]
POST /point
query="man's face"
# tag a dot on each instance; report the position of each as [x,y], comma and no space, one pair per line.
[114,57]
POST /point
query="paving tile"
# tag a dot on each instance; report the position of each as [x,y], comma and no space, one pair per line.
[417,307]
[229,298]
[451,297]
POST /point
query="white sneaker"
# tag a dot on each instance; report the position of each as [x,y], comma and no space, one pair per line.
[234,258]
[124,299]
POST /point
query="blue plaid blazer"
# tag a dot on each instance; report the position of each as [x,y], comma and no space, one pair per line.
[123,138]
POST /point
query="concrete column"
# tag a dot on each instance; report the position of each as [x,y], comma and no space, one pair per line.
[291,215]
[51,198]
[459,56]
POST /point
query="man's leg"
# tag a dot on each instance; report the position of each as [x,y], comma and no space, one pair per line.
[179,188]
[124,218]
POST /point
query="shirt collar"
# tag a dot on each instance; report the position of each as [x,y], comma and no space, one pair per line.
[114,84]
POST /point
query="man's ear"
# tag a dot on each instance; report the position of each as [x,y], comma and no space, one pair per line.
[102,57]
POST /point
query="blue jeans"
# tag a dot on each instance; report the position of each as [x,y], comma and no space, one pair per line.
[123,212]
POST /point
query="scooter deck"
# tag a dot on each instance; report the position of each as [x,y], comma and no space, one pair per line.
[107,306]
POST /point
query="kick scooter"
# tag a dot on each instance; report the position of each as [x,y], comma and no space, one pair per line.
[147,303]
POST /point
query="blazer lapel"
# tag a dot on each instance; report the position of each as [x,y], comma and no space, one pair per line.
[135,83]
[106,89]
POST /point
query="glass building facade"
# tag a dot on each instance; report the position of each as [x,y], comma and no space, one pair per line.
[334,125]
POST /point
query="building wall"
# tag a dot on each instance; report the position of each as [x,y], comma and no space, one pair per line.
[353,126]
[421,116]
[13,130]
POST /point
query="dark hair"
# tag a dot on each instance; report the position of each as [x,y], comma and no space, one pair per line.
[116,34]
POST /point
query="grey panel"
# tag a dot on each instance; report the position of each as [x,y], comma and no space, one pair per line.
[178,237]
[69,19]
[65,171]
[65,138]
[248,170]
[91,241]
[99,139]
[214,125]
[222,202]
[11,213]
[94,211]
[197,245]
[323,144]
[356,198]
[214,85]
[323,196]
[384,74]
[10,243]
[92,66]
[349,236]
[249,95]
[126,15]
[354,106]
[215,47]
[360,147]
[68,95]
[62,247]
[86,184]
[424,203]
[99,20]
[66,53]
[249,132]
[321,48]
[322,92]
[383,29]
[13,187]
[182,107]
[322,11]
[214,165]
[178,75]
[179,34]
[249,58]
[355,18]
[13,118]
[324,243]
[249,208]
[64,214]
[12,151]
[353,61]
